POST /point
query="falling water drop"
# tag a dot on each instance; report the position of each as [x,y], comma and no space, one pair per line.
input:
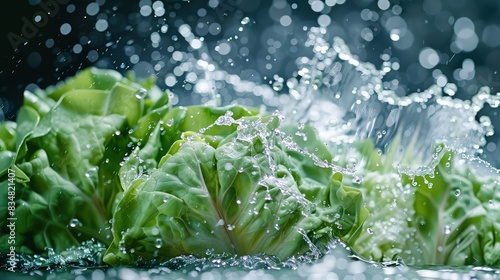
[158,243]
[141,93]
[277,85]
[245,20]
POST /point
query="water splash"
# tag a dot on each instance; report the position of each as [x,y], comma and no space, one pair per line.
[345,100]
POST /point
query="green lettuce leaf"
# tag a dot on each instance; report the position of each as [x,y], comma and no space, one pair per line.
[66,149]
[241,197]
[448,217]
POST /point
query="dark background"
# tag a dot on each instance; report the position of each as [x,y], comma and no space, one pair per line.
[51,55]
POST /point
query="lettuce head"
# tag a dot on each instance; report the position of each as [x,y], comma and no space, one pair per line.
[107,158]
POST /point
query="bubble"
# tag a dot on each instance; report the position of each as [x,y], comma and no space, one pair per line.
[77,48]
[464,28]
[383,4]
[34,59]
[468,65]
[214,28]
[441,81]
[285,20]
[490,36]
[101,25]
[428,58]
[93,55]
[367,34]
[324,20]
[213,3]
[70,8]
[202,12]
[317,6]
[49,43]
[146,10]
[170,80]
[92,9]
[491,147]
[223,48]
[134,58]
[330,3]
[158,8]
[65,29]
[196,44]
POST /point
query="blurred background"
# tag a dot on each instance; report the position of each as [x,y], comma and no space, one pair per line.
[424,42]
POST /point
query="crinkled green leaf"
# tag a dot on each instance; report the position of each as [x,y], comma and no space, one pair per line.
[70,142]
[241,197]
[448,217]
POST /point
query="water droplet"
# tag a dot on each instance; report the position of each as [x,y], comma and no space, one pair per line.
[238,201]
[447,229]
[220,223]
[277,227]
[158,243]
[155,231]
[118,132]
[228,166]
[369,230]
[457,192]
[277,85]
[170,122]
[74,223]
[245,20]
[141,93]
[165,199]
[268,196]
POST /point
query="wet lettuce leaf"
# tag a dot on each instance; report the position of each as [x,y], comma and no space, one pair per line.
[243,195]
[65,150]
[106,158]
[448,217]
